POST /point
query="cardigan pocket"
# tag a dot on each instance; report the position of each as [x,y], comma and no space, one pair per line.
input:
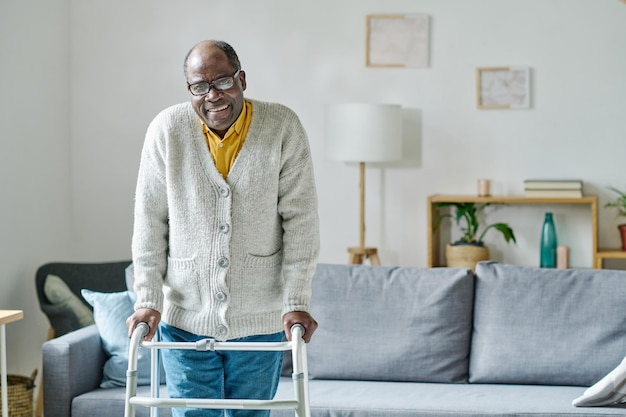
[181,284]
[262,278]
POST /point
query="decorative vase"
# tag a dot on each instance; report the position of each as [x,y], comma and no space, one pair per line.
[548,243]
[622,230]
[465,256]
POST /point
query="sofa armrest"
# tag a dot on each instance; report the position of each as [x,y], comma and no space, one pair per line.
[72,365]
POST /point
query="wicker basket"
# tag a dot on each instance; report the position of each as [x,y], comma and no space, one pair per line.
[20,394]
[465,256]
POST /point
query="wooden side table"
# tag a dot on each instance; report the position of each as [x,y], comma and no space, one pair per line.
[6,316]
[359,254]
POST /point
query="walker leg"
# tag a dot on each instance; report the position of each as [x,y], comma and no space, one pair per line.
[131,372]
[300,374]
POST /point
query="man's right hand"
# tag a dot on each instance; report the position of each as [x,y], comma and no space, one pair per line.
[144,315]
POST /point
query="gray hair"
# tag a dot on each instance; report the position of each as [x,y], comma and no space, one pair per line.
[228,50]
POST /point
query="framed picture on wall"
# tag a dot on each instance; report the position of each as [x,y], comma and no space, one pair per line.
[397,40]
[503,88]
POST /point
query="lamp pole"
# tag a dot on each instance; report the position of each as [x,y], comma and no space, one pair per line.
[359,253]
[362,204]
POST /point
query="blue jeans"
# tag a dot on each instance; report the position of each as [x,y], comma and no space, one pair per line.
[220,374]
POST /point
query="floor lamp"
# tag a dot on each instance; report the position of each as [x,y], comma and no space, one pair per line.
[363,132]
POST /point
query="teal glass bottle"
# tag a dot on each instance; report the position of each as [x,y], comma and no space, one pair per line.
[548,243]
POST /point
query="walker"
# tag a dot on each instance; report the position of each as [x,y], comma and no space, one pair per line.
[300,376]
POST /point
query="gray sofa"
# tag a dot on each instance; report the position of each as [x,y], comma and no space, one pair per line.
[508,341]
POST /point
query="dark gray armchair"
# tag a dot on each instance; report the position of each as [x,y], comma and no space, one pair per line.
[100,277]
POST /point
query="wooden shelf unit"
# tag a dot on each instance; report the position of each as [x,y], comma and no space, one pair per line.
[434,241]
[603,254]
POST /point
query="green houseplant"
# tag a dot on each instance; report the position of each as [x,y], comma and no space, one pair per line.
[619,204]
[470,249]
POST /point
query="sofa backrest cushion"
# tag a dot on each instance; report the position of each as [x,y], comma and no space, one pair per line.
[547,326]
[391,324]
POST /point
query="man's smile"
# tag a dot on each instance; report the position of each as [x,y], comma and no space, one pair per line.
[218,109]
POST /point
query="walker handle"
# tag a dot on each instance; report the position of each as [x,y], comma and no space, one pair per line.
[142,329]
[297,331]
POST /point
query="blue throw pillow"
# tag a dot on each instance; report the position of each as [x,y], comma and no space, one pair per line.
[110,313]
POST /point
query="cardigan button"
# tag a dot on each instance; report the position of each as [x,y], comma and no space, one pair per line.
[220,296]
[223,228]
[223,262]
[224,192]
[221,330]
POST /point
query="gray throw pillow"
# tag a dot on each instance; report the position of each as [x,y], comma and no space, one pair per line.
[129,276]
[391,324]
[547,326]
[58,293]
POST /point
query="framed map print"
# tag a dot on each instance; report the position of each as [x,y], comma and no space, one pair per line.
[397,40]
[503,88]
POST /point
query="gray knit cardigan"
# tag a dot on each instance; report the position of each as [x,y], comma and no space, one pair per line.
[225,258]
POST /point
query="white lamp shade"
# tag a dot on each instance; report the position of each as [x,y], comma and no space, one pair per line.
[363,132]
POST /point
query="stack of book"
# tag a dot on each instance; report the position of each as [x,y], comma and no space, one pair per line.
[553,188]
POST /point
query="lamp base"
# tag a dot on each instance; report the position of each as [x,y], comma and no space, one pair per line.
[358,255]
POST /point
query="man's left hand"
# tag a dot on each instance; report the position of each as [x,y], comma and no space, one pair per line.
[303,318]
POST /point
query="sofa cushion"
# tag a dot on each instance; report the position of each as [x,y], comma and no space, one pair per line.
[546,326]
[414,399]
[391,324]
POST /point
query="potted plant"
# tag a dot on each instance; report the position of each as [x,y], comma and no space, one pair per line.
[470,248]
[620,205]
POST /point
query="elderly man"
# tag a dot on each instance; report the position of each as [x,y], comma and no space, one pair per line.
[226,235]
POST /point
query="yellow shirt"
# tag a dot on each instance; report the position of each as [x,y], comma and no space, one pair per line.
[225,151]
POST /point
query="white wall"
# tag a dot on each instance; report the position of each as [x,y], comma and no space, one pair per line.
[125,63]
[126,66]
[34,163]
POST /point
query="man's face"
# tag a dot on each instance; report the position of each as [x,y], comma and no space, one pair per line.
[217,109]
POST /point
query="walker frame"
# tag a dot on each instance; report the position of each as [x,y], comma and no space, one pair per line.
[300,404]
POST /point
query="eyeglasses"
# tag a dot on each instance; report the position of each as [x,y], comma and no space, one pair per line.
[221,84]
